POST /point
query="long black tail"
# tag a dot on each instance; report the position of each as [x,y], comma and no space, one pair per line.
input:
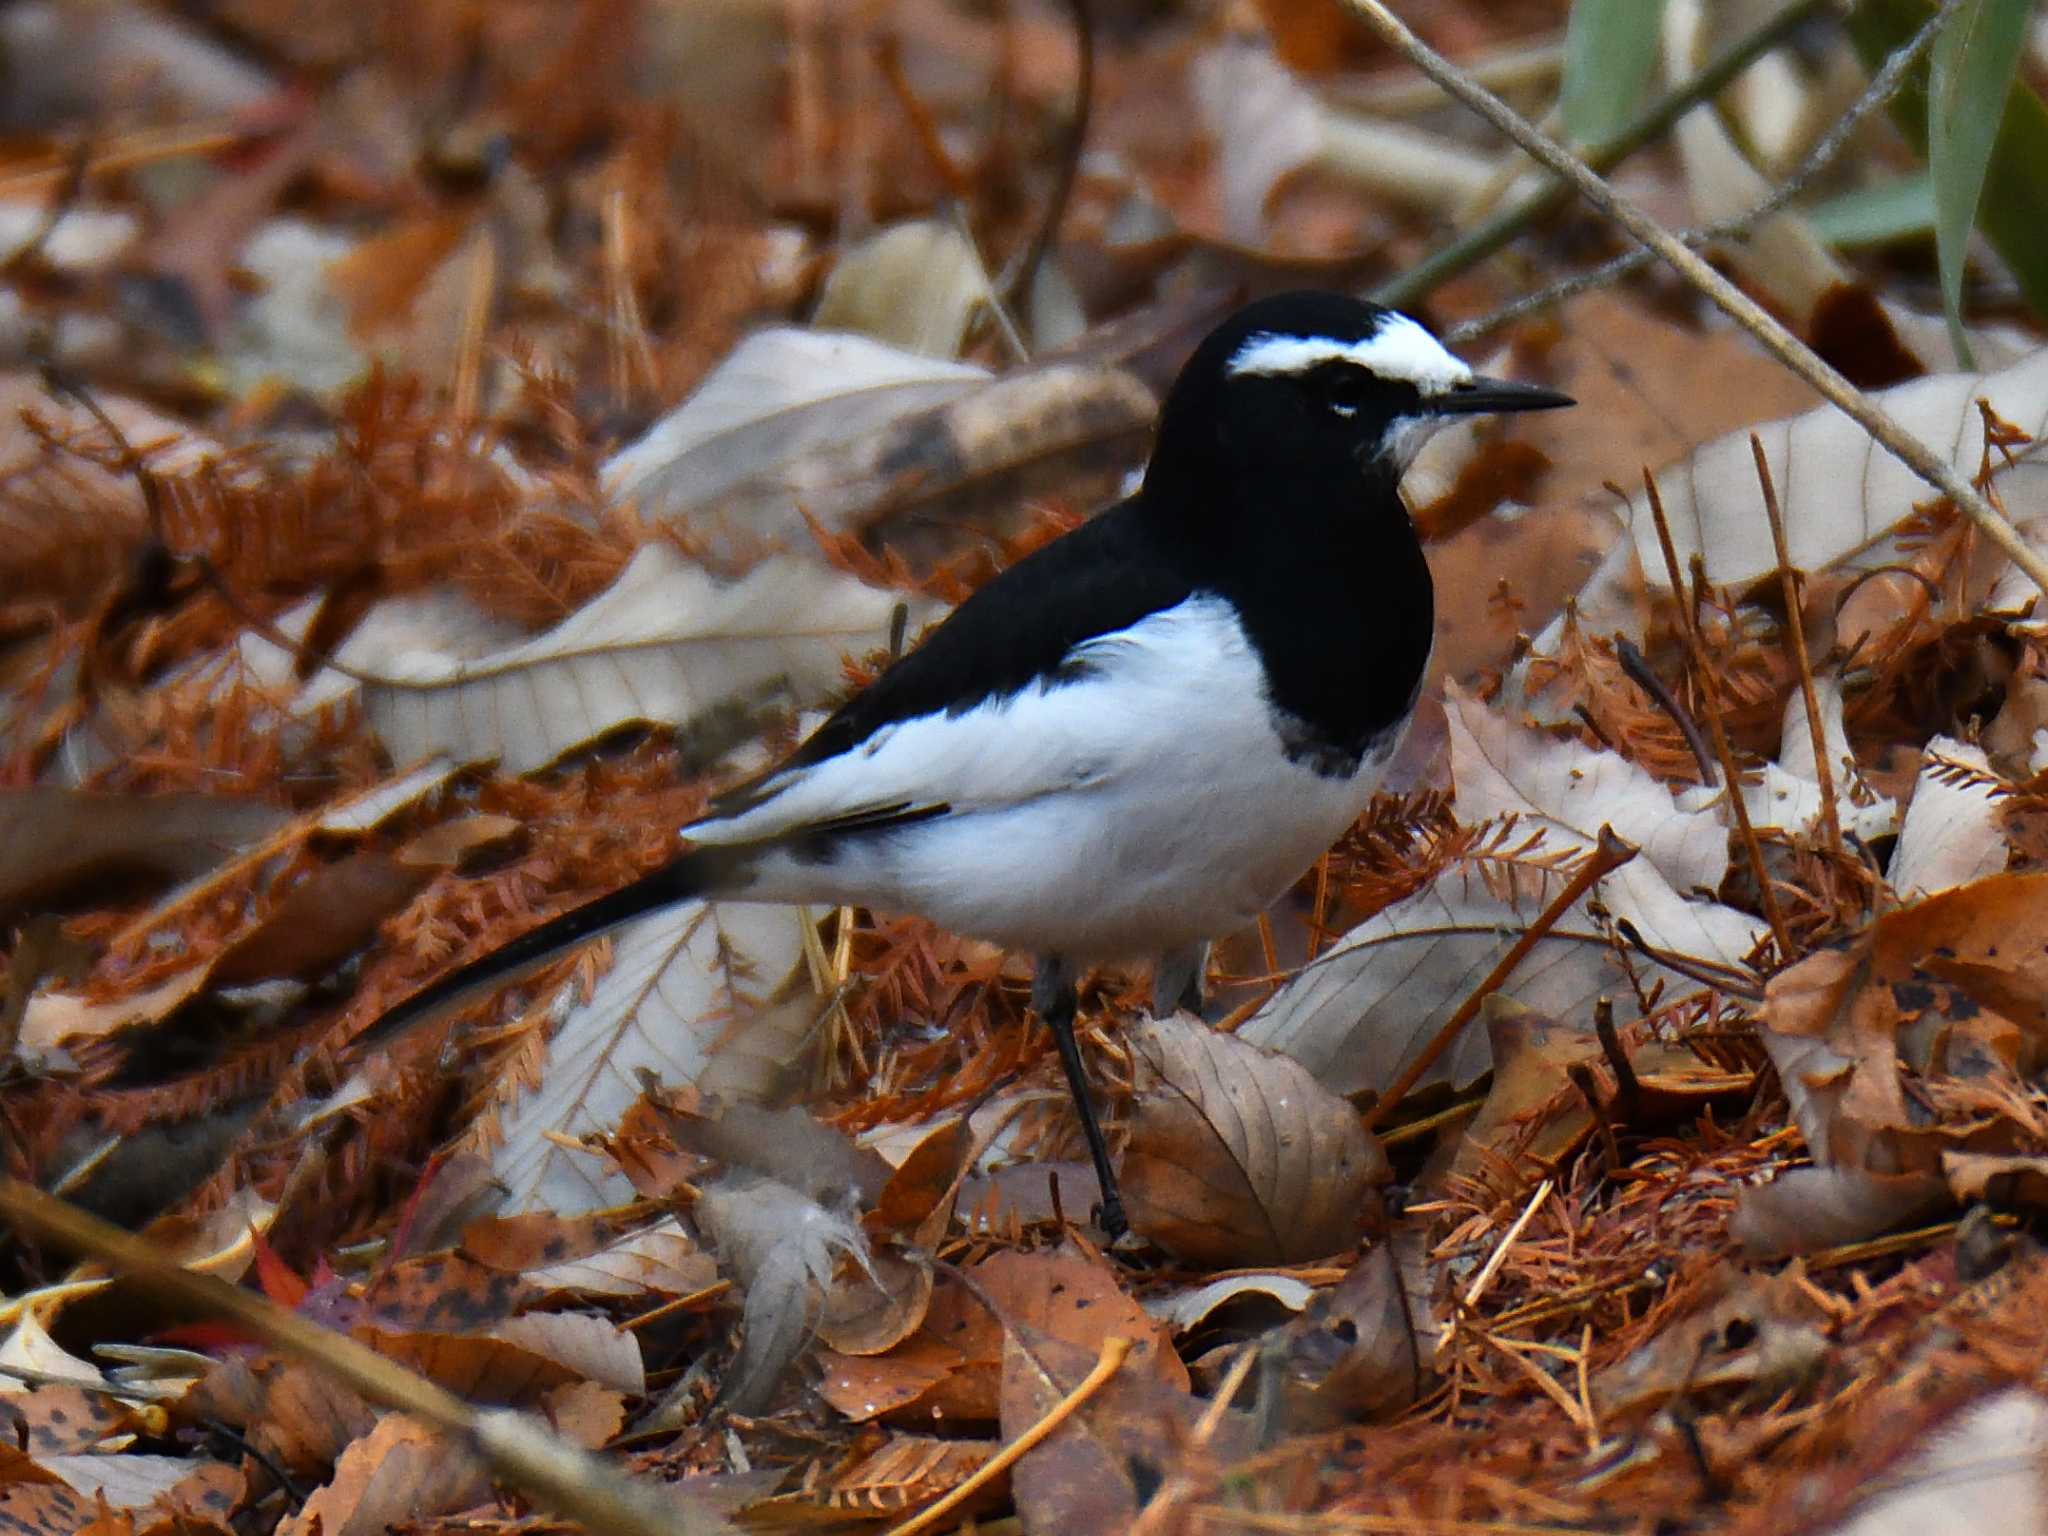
[704,871]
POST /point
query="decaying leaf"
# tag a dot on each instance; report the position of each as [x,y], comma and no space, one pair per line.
[667,643]
[1355,1354]
[401,1470]
[1745,1329]
[700,995]
[55,838]
[1533,1054]
[918,285]
[1844,498]
[1386,988]
[1096,1470]
[1236,1155]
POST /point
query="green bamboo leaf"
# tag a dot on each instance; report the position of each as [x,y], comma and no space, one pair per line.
[1610,47]
[2012,205]
[1972,66]
[1899,209]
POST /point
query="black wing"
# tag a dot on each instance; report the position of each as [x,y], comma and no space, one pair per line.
[1018,630]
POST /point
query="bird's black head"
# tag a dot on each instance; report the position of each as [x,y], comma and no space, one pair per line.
[1305,384]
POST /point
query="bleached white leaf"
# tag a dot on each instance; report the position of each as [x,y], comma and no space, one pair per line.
[783,394]
[593,1347]
[1953,832]
[1502,769]
[1788,795]
[1185,1308]
[1358,1013]
[696,994]
[31,1348]
[365,812]
[667,643]
[782,1247]
[1843,496]
[918,284]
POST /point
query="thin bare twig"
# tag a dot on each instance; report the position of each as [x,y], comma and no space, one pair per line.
[1731,781]
[1795,620]
[1731,300]
[1635,666]
[1018,289]
[1884,85]
[1654,122]
[519,1448]
[1106,1365]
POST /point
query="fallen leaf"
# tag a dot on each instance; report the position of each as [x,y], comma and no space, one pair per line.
[56,838]
[1353,1355]
[1533,1054]
[1743,1329]
[1236,1155]
[402,1470]
[584,1343]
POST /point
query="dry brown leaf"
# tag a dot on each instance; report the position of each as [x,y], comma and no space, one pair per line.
[55,838]
[1532,1056]
[864,1387]
[1078,1300]
[1744,1328]
[586,1413]
[870,1311]
[1237,1155]
[1096,1470]
[2010,1181]
[402,1470]
[1353,1356]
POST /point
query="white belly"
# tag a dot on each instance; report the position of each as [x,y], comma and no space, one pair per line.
[1147,805]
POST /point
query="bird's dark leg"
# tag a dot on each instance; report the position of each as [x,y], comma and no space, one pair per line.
[1053,999]
[1177,980]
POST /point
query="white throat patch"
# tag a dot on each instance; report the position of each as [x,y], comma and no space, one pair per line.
[1400,349]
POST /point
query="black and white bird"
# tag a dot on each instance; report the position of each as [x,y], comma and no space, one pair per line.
[1136,739]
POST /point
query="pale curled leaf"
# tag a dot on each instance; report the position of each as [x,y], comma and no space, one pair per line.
[696,995]
[1954,832]
[801,426]
[667,643]
[918,285]
[1844,498]
[1237,1155]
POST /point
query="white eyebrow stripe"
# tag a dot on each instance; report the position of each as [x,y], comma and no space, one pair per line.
[1399,349]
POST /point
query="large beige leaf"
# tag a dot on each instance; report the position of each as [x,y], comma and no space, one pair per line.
[668,643]
[1236,1155]
[1357,1014]
[1843,496]
[699,994]
[846,431]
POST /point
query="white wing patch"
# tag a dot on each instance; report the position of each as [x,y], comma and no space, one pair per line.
[1143,693]
[1399,349]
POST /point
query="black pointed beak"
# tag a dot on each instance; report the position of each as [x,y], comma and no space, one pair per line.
[1479,396]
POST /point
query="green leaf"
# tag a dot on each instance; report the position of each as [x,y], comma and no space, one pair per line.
[1971,67]
[2012,205]
[1610,47]
[1901,209]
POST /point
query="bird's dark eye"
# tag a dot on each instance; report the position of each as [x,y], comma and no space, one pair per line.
[1343,391]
